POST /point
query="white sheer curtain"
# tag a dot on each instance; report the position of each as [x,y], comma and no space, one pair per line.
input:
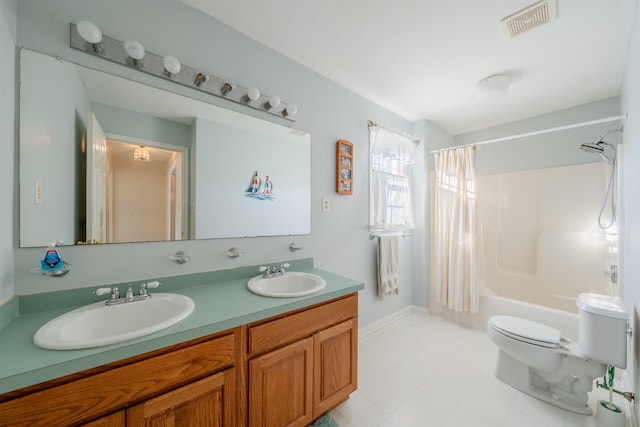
[390,204]
[455,229]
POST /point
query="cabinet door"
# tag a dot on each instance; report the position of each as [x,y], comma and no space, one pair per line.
[335,365]
[280,386]
[113,420]
[207,402]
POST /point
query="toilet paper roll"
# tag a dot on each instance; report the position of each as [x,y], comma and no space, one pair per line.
[609,415]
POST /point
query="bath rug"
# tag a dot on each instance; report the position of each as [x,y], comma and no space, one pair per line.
[325,421]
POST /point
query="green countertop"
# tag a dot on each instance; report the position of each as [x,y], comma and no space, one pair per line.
[222,301]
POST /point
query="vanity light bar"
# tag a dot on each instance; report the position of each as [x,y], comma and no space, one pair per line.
[114,50]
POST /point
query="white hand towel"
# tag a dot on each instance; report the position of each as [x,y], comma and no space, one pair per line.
[387,265]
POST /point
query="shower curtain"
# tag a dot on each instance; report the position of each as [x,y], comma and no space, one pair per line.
[454,246]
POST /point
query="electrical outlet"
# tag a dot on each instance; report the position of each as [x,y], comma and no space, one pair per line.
[38,192]
[326,205]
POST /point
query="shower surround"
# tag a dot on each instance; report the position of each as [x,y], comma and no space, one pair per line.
[540,241]
[539,245]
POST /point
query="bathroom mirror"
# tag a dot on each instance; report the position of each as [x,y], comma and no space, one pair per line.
[107,160]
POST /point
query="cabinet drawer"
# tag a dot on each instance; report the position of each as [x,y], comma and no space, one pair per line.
[293,327]
[106,392]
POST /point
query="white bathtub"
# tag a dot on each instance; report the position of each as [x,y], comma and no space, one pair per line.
[565,322]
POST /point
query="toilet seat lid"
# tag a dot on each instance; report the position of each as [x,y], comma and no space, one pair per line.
[526,331]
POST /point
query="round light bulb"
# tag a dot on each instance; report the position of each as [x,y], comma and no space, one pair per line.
[89,31]
[274,101]
[291,110]
[253,93]
[134,49]
[171,64]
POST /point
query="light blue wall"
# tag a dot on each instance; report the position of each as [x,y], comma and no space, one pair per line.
[339,239]
[8,19]
[553,149]
[630,206]
[128,123]
[53,123]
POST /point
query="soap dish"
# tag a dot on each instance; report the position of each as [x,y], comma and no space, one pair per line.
[58,272]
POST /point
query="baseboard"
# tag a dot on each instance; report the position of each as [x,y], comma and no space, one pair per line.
[387,320]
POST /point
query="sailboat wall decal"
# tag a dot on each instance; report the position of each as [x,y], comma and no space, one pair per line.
[260,189]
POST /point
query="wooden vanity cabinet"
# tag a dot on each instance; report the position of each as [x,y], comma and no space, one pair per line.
[283,371]
[113,420]
[173,383]
[208,402]
[302,364]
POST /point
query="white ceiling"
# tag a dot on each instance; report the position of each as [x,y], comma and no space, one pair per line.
[422,59]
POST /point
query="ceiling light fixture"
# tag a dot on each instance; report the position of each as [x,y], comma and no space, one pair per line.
[142,154]
[201,78]
[91,34]
[227,88]
[88,38]
[253,94]
[171,66]
[493,86]
[272,103]
[135,52]
[291,110]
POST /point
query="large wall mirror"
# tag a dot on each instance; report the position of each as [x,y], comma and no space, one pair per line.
[107,160]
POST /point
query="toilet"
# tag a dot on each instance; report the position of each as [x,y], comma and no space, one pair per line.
[537,360]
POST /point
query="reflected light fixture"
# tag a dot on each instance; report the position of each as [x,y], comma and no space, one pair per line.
[272,103]
[135,52]
[253,94]
[142,154]
[171,66]
[91,34]
[493,86]
[291,110]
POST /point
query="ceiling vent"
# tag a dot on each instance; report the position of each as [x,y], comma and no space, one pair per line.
[530,17]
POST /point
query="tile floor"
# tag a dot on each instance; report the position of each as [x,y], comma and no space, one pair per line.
[428,372]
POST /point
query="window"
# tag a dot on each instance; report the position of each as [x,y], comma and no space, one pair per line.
[390,204]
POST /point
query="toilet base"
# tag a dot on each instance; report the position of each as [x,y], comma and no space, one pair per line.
[523,378]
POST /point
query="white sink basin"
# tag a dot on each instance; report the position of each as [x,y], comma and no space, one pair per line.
[291,284]
[97,324]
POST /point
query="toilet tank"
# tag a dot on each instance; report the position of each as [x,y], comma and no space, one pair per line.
[603,329]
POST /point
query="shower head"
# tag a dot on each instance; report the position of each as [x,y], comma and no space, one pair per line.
[592,147]
[597,146]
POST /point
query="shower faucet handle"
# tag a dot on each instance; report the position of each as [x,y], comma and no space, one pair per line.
[613,272]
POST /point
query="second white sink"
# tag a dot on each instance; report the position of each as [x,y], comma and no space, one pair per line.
[290,284]
[97,324]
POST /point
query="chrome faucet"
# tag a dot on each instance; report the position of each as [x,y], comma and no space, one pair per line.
[130,295]
[275,271]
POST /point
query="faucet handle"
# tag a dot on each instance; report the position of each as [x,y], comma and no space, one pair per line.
[115,293]
[102,291]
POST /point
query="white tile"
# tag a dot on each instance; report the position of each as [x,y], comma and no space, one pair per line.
[385,396]
[342,421]
[519,419]
[360,412]
[379,364]
[546,414]
[429,372]
[406,377]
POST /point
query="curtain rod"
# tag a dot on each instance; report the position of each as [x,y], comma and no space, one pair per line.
[538,132]
[397,132]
